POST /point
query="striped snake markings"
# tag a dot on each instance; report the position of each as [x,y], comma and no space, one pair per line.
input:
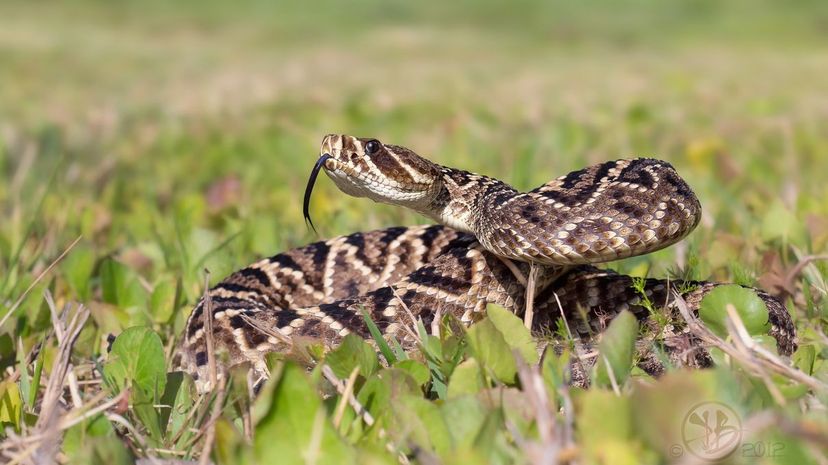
[488,237]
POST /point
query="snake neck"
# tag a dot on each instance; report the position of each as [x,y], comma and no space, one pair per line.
[463,197]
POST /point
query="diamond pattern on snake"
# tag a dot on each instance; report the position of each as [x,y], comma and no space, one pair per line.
[487,238]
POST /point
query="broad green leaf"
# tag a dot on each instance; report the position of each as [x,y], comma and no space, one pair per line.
[420,422]
[491,350]
[514,332]
[353,352]
[616,349]
[765,340]
[137,359]
[417,370]
[296,428]
[661,407]
[466,379]
[751,309]
[464,416]
[603,416]
[380,390]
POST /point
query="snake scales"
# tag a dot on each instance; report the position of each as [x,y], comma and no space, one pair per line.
[490,234]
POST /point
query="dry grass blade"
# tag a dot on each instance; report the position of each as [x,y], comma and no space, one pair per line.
[348,393]
[537,396]
[752,356]
[188,420]
[745,344]
[611,374]
[43,440]
[210,434]
[413,330]
[37,280]
[531,284]
[139,438]
[345,397]
[342,389]
[208,330]
[555,445]
[271,332]
[435,322]
[60,366]
[799,267]
[514,269]
[578,352]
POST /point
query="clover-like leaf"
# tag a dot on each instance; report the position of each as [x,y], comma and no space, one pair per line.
[751,309]
[137,360]
[514,332]
[616,349]
[491,350]
[353,352]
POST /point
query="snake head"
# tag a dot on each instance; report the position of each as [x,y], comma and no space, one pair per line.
[365,167]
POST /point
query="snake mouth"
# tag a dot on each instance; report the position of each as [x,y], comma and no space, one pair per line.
[320,163]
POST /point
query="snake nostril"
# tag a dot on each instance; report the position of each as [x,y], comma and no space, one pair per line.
[353,156]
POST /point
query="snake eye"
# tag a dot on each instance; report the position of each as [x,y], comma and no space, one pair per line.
[372,147]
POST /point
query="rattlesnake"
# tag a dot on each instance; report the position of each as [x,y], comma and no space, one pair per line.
[489,236]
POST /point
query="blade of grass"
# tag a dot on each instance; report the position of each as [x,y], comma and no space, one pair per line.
[377,336]
[398,350]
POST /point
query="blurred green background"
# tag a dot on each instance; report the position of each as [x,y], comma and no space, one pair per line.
[174,136]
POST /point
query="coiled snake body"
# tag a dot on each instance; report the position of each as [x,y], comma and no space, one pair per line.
[490,234]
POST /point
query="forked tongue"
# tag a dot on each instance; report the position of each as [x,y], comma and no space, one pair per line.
[309,189]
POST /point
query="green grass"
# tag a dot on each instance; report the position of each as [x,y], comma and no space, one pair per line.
[174,138]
